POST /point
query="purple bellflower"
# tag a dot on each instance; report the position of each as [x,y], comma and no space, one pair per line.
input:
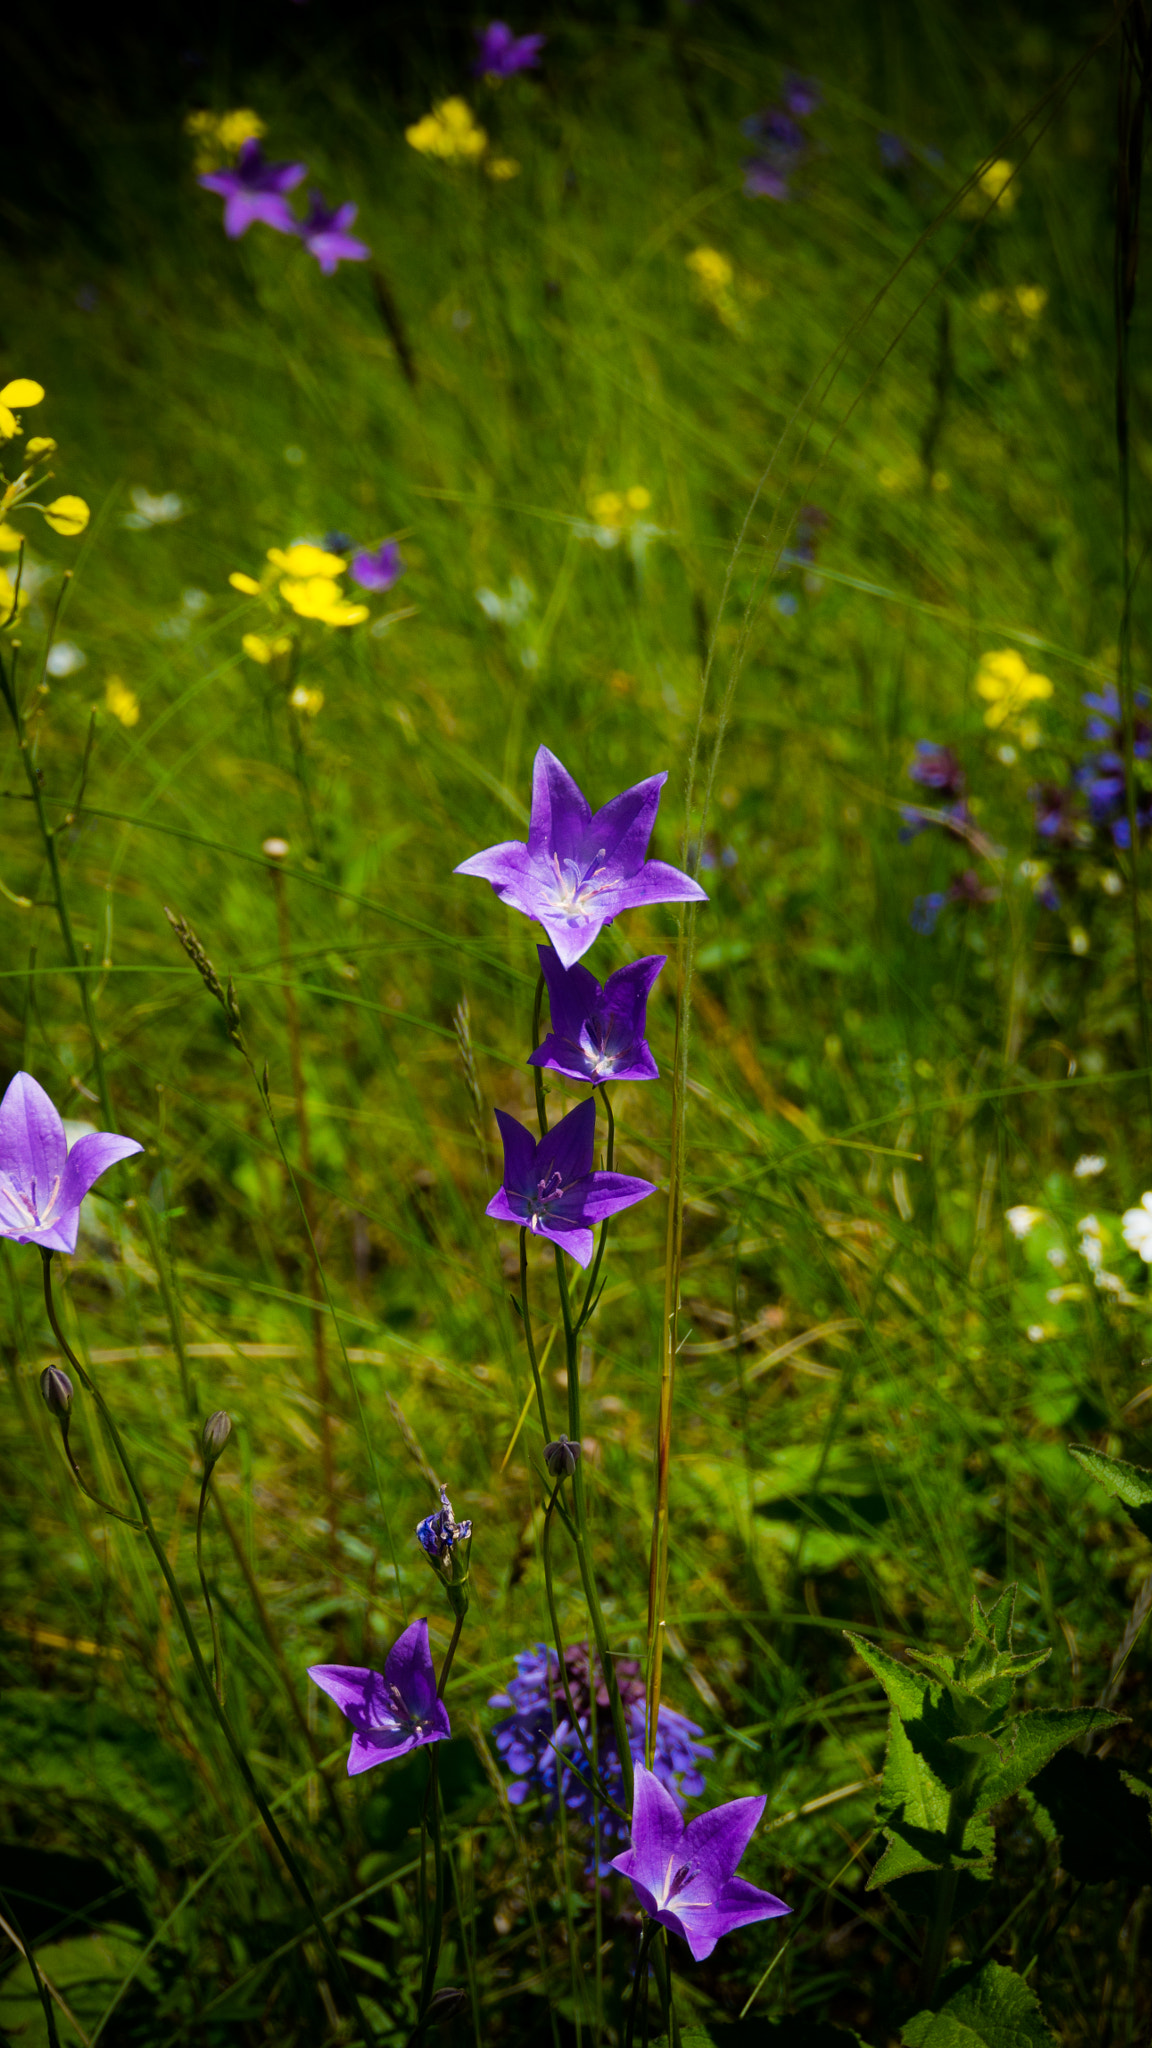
[377,568]
[255,190]
[802,96]
[684,1877]
[598,1033]
[936,768]
[578,871]
[391,1712]
[541,1749]
[550,1187]
[502,54]
[42,1183]
[325,234]
[1056,811]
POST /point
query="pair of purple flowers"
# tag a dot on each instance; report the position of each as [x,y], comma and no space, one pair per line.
[254,190]
[782,139]
[683,1876]
[575,873]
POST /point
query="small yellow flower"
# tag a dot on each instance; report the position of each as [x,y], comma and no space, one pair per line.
[10,540]
[40,444]
[713,270]
[303,560]
[502,168]
[218,135]
[241,125]
[449,132]
[10,605]
[1031,299]
[318,597]
[607,508]
[306,700]
[257,648]
[20,391]
[122,702]
[1007,684]
[996,184]
[637,498]
[67,515]
[247,584]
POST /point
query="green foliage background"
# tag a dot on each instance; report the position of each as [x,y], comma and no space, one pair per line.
[865,1429]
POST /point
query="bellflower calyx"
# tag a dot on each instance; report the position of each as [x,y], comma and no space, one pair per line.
[390,1712]
[684,1877]
[578,869]
[42,1183]
[550,1187]
[598,1033]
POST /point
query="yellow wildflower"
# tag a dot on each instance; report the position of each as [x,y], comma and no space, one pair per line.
[713,270]
[1031,299]
[449,132]
[10,540]
[306,700]
[9,605]
[996,184]
[1007,684]
[257,648]
[247,584]
[607,507]
[502,168]
[40,444]
[67,515]
[20,391]
[217,135]
[122,702]
[319,597]
[304,560]
[637,498]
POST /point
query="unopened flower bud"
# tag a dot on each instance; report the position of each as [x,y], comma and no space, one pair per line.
[561,1457]
[58,1391]
[217,1431]
[447,1545]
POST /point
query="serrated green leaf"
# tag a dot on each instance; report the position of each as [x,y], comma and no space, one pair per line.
[982,2003]
[905,1688]
[1131,1484]
[996,1621]
[1035,1737]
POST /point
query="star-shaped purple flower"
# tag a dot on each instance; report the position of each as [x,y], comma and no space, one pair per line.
[502,53]
[324,234]
[377,568]
[550,1187]
[578,871]
[392,1712]
[598,1033]
[254,191]
[42,1183]
[684,1876]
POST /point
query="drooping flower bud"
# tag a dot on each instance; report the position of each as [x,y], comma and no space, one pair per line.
[58,1391]
[561,1457]
[447,1544]
[217,1431]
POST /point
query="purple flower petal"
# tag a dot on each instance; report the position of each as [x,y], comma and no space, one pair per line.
[32,1134]
[91,1156]
[519,1155]
[377,569]
[41,1184]
[567,1151]
[598,1033]
[559,811]
[684,1877]
[408,1667]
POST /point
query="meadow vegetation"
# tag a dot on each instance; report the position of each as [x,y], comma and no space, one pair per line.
[802,484]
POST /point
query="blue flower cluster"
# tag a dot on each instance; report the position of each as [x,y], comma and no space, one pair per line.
[543,1754]
[1101,777]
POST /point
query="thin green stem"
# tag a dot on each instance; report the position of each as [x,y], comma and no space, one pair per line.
[449,1655]
[663,1974]
[217,1653]
[291,1865]
[526,1319]
[947,1880]
[580,1537]
[105,1506]
[639,1978]
[436,1935]
[597,1786]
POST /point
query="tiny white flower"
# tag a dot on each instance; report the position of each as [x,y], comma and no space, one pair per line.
[1021,1220]
[1091,1242]
[1136,1229]
[1037,1332]
[65,658]
[1057,1256]
[1088,1164]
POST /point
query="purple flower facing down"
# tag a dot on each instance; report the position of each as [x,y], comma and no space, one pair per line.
[684,1877]
[541,1749]
[550,1187]
[598,1033]
[324,234]
[254,190]
[579,870]
[377,568]
[390,1712]
[502,53]
[42,1183]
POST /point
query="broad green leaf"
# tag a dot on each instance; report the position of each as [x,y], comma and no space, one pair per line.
[1105,1828]
[981,2003]
[996,1621]
[1035,1737]
[906,1689]
[1131,1484]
